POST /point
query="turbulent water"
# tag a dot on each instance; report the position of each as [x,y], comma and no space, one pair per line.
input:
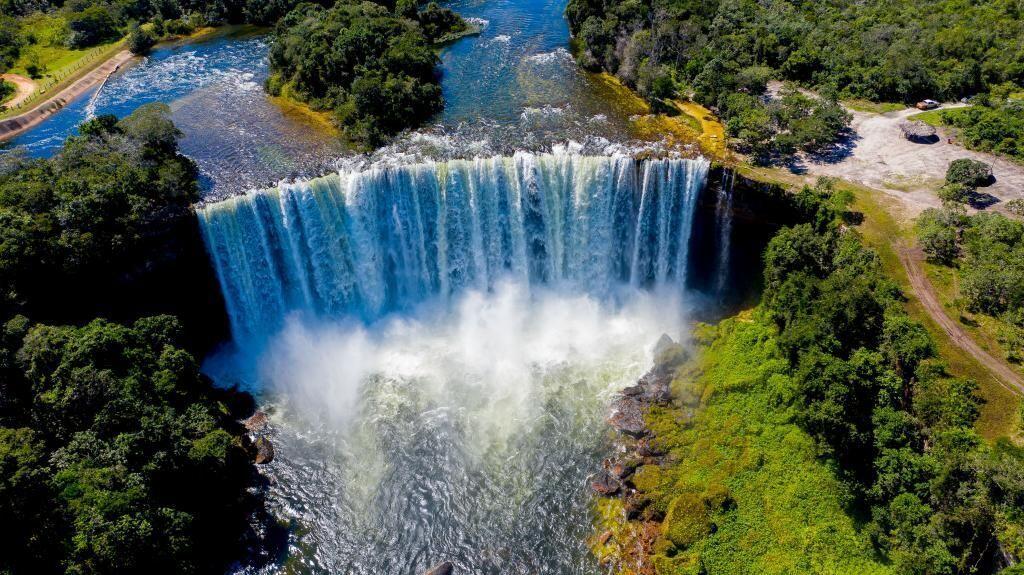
[366,242]
[439,342]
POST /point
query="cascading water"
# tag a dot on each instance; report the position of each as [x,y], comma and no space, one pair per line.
[441,394]
[723,216]
[363,243]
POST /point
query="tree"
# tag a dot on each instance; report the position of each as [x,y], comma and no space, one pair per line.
[938,236]
[140,42]
[968,173]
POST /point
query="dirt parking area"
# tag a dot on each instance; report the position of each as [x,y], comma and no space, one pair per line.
[877,155]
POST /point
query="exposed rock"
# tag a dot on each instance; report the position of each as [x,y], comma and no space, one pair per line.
[257,422]
[623,468]
[664,343]
[264,451]
[445,568]
[634,505]
[605,484]
[604,538]
[628,417]
[647,448]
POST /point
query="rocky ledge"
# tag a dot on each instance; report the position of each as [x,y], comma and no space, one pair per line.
[635,444]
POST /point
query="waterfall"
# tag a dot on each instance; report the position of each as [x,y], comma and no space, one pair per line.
[366,242]
[723,215]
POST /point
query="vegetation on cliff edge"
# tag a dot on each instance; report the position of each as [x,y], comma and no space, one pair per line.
[116,455]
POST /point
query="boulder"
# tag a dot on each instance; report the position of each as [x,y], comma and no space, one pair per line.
[605,484]
[445,568]
[646,448]
[257,422]
[628,417]
[264,451]
[664,343]
[623,468]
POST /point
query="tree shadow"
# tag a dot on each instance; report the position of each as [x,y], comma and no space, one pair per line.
[982,200]
[838,151]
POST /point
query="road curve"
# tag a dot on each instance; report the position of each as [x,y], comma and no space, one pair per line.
[911,260]
[12,127]
[24,85]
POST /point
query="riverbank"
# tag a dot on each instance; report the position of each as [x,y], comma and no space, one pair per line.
[12,127]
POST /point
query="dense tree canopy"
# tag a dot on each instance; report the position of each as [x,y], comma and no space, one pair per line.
[376,68]
[869,387]
[116,455]
[877,50]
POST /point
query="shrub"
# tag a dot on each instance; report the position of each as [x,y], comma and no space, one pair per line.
[140,42]
[1015,207]
[968,173]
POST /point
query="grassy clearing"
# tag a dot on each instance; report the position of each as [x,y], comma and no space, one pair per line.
[747,491]
[937,117]
[56,66]
[873,107]
[984,329]
[884,233]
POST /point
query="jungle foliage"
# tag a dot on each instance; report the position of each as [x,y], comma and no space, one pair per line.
[373,65]
[995,123]
[829,437]
[876,50]
[116,455]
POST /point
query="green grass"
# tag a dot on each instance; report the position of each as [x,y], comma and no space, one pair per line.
[884,233]
[747,492]
[984,329]
[7,91]
[58,64]
[936,117]
[873,107]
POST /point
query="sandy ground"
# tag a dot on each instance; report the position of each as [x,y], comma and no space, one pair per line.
[24,85]
[878,156]
[11,127]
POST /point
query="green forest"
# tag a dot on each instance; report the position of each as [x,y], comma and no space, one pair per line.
[986,251]
[828,436]
[723,52]
[374,67]
[116,454]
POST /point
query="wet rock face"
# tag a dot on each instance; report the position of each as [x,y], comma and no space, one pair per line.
[636,445]
[604,483]
[257,422]
[264,451]
[628,416]
[446,568]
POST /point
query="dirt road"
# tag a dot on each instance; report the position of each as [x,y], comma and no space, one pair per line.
[911,260]
[24,85]
[11,127]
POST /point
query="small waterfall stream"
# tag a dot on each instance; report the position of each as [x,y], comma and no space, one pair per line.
[723,217]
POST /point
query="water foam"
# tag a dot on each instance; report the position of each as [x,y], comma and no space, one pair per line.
[368,241]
